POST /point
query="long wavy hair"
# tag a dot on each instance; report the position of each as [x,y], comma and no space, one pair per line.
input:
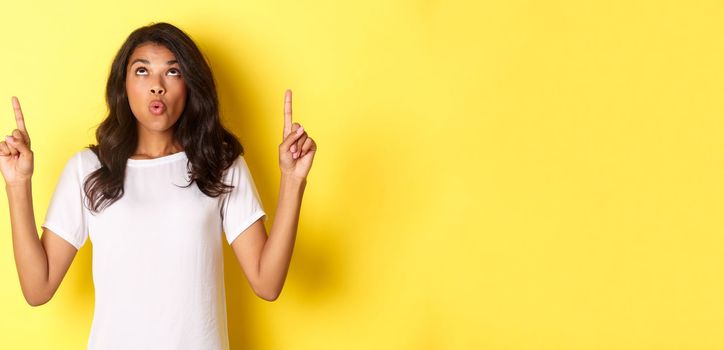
[210,148]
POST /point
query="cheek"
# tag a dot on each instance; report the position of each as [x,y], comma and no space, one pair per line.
[181,94]
[134,91]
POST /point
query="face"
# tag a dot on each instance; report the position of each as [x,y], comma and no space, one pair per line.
[155,87]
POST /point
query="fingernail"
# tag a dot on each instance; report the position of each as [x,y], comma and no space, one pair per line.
[9,138]
[294,148]
[299,131]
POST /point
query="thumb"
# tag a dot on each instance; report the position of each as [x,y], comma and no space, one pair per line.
[292,137]
[18,144]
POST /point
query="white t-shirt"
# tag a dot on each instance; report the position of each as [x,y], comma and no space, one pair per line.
[157,252]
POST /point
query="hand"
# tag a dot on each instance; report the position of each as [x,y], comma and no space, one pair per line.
[297,149]
[16,158]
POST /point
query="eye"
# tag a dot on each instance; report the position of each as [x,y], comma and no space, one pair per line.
[174,71]
[141,71]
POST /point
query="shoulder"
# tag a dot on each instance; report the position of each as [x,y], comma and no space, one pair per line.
[237,170]
[85,154]
[84,161]
[239,163]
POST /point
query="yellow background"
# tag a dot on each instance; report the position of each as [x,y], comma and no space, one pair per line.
[490,174]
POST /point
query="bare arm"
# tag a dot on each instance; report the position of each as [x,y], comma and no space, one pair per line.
[265,261]
[42,264]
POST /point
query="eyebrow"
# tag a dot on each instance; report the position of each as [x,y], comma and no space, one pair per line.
[148,62]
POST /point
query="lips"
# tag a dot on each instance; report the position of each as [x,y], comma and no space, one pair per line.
[156,107]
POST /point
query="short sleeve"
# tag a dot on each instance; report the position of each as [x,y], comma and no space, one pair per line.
[241,207]
[66,216]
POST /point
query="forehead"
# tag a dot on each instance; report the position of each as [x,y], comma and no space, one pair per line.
[152,52]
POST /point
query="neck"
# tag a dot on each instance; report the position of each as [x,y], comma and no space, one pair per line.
[154,145]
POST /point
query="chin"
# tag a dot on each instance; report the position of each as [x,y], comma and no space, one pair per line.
[157,126]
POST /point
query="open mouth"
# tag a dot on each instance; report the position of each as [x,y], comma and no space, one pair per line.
[156,107]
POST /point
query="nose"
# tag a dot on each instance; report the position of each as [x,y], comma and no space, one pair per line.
[157,87]
[157,90]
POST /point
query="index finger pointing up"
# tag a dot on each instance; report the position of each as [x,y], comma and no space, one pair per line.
[287,112]
[19,120]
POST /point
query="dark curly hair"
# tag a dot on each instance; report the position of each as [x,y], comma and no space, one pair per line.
[210,148]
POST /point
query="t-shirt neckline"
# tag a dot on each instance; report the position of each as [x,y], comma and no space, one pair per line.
[159,160]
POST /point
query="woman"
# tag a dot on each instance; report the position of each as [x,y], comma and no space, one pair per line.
[153,196]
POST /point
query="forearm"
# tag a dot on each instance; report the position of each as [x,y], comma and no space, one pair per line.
[30,257]
[277,252]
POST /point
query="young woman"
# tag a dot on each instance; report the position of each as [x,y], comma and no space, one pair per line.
[154,195]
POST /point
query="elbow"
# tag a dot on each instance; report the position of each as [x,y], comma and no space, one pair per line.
[38,303]
[267,299]
[36,300]
[267,295]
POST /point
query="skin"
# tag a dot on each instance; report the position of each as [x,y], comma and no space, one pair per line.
[153,74]
[265,260]
[42,263]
